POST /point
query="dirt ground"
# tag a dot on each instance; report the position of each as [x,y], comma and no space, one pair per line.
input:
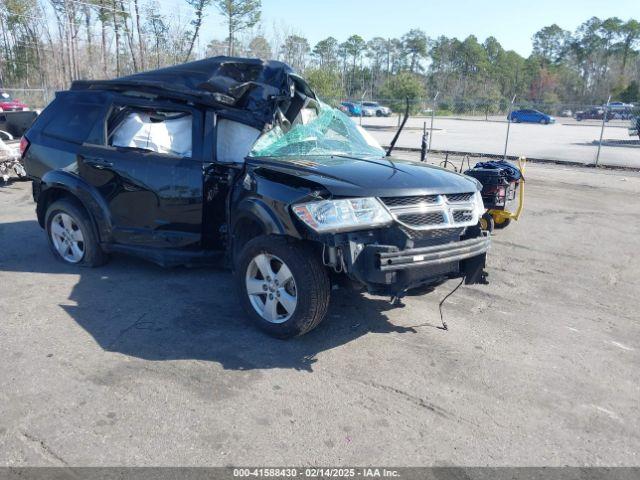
[131,364]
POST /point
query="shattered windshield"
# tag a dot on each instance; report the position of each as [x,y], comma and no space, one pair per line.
[317,131]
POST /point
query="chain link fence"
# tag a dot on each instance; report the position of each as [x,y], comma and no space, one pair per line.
[574,133]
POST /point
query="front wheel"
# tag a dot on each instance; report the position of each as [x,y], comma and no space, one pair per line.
[283,285]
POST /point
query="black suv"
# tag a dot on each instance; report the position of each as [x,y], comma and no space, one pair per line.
[236,162]
[592,114]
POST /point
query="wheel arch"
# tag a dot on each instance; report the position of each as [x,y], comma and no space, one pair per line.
[252,219]
[57,184]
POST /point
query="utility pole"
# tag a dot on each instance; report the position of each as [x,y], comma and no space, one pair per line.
[604,119]
[433,114]
[506,141]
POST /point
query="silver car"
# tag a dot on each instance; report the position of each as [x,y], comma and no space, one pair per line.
[374,109]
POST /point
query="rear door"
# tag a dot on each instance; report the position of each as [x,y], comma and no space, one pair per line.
[152,182]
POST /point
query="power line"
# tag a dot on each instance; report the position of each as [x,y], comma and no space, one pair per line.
[35,46]
[128,2]
[100,7]
[77,24]
[61,22]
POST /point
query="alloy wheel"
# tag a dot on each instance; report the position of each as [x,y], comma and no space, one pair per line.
[271,288]
[67,237]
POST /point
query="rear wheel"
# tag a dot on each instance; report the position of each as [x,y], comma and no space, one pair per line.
[283,285]
[71,235]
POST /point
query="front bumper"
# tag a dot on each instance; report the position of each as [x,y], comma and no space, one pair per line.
[390,270]
[432,256]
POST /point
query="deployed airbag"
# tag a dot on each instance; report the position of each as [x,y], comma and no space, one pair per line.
[234,141]
[162,134]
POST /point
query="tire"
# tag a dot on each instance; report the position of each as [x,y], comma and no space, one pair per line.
[71,218]
[487,222]
[306,282]
[378,113]
[504,224]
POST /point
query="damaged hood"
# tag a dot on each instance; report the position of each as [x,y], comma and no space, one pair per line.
[376,177]
[250,89]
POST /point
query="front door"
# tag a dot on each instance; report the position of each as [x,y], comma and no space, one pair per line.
[148,170]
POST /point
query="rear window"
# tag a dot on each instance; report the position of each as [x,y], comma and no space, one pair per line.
[72,121]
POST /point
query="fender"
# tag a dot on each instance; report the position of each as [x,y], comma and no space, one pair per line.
[257,210]
[86,193]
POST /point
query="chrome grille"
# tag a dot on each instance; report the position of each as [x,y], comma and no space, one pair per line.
[439,235]
[460,216]
[409,201]
[459,197]
[419,219]
[429,212]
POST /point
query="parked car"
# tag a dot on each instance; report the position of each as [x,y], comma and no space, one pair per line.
[376,109]
[351,109]
[17,122]
[367,111]
[8,104]
[621,111]
[566,113]
[530,116]
[591,114]
[181,166]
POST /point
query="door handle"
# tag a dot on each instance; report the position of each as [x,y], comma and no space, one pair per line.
[98,162]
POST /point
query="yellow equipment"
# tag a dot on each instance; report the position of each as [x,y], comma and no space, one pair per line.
[500,215]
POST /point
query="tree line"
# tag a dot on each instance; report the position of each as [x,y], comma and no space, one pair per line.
[49,43]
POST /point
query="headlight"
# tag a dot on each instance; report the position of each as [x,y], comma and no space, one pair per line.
[340,215]
[479,207]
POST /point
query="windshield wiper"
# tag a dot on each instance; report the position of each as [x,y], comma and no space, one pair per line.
[397,135]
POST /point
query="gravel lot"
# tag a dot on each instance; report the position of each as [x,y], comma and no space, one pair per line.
[566,140]
[130,364]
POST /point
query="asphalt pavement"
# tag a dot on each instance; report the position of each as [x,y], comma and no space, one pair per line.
[132,364]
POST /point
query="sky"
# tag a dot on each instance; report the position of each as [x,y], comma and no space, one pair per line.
[512,22]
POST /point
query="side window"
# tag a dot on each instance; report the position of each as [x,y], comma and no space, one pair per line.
[71,120]
[161,131]
[234,141]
